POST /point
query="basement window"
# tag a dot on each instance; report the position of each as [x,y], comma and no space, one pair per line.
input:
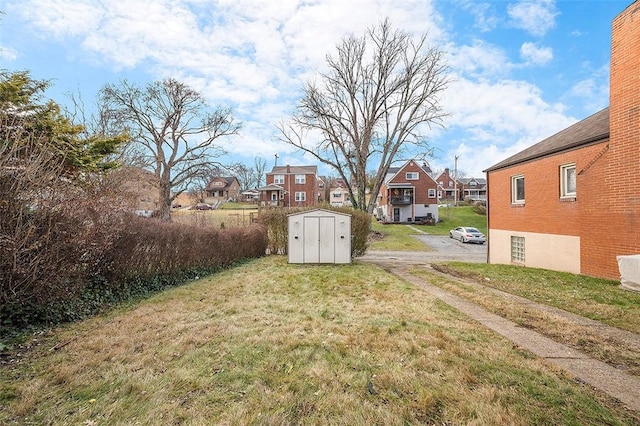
[517,249]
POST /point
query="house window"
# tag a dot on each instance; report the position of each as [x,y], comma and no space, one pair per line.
[278,179]
[412,175]
[568,180]
[473,183]
[517,249]
[517,189]
[450,184]
[301,196]
[300,179]
[337,195]
[432,193]
[439,194]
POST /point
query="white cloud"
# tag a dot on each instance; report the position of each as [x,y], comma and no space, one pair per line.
[256,54]
[492,120]
[478,59]
[484,15]
[535,55]
[8,54]
[535,17]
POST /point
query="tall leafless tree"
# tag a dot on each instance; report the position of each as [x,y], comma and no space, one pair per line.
[260,168]
[176,131]
[382,91]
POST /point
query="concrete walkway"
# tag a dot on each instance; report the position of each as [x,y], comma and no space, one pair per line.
[614,382]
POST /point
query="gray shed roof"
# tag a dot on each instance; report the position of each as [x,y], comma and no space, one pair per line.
[592,129]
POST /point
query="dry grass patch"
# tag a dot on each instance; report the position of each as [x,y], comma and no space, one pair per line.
[220,218]
[272,343]
[612,349]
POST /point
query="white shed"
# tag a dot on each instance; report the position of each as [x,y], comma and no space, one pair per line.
[319,236]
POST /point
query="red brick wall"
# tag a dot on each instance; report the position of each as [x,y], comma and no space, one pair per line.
[615,215]
[606,213]
[543,212]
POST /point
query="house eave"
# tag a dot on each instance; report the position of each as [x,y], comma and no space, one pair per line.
[580,144]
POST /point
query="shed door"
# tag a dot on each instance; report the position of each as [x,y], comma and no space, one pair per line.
[319,240]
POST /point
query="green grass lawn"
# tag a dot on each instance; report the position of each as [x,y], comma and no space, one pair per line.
[272,343]
[452,217]
[599,299]
[398,237]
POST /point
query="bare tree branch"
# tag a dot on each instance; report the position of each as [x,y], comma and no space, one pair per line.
[380,94]
[172,128]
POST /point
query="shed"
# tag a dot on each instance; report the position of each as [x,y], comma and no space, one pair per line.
[319,236]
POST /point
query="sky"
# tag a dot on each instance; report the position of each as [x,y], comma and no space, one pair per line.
[520,70]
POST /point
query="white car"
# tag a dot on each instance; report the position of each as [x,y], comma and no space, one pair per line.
[467,235]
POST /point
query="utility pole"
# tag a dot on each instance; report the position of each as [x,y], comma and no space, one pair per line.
[455,180]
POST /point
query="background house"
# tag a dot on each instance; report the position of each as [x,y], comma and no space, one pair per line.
[474,189]
[339,197]
[291,186]
[447,187]
[407,194]
[221,188]
[138,189]
[570,202]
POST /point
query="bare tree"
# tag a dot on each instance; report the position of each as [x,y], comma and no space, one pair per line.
[260,168]
[174,129]
[381,91]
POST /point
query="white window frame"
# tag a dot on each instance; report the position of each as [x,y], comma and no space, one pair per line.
[565,175]
[301,196]
[431,193]
[278,179]
[515,197]
[517,249]
[412,176]
[301,179]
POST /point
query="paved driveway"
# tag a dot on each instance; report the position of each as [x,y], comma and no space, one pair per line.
[444,248]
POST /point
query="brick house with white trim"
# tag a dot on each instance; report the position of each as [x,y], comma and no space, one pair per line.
[291,186]
[408,194]
[570,202]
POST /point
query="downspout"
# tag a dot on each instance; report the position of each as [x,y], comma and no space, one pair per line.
[488,222]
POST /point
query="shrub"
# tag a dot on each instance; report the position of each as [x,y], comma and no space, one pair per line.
[276,222]
[66,268]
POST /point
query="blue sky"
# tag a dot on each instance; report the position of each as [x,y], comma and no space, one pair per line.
[522,70]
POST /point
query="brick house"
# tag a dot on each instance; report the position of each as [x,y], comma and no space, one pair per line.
[222,188]
[291,186]
[474,189]
[447,186]
[408,193]
[570,202]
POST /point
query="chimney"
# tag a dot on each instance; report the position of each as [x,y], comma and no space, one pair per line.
[288,169]
[624,104]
